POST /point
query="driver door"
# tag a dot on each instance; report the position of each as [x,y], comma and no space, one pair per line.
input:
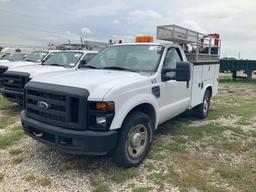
[175,96]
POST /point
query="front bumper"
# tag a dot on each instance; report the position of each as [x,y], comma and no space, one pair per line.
[14,96]
[70,141]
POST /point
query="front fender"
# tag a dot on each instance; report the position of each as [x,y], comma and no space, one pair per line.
[130,104]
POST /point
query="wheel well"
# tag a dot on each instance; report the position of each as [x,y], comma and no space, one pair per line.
[147,109]
[210,89]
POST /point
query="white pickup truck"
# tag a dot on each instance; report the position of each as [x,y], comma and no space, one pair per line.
[117,102]
[15,60]
[15,78]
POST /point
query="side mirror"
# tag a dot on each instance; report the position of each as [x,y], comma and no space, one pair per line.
[183,71]
[83,63]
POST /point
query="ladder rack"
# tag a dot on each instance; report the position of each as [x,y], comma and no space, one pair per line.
[202,47]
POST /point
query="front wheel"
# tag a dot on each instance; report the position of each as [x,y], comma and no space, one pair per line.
[202,110]
[134,140]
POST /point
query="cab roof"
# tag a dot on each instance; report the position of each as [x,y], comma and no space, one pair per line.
[83,51]
[165,44]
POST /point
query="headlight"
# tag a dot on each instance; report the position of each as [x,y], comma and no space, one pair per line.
[100,115]
[101,121]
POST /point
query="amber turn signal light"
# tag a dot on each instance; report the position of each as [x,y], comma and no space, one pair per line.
[105,106]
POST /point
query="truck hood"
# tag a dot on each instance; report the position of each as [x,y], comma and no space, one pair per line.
[16,64]
[4,62]
[97,82]
[35,70]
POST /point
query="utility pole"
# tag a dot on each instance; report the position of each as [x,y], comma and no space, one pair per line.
[81,39]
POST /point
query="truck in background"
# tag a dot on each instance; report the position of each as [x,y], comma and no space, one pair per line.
[123,94]
[14,54]
[19,59]
[15,78]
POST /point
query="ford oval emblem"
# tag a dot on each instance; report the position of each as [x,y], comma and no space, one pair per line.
[42,104]
[10,81]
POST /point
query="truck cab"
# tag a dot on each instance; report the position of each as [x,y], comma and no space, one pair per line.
[118,100]
[15,78]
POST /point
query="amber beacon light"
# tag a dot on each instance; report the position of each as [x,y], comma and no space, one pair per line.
[144,39]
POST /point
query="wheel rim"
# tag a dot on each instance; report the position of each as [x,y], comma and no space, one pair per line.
[137,140]
[206,104]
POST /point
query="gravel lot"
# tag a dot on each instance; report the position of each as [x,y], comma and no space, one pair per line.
[217,154]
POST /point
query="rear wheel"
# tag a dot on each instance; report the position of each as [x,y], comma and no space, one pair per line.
[134,140]
[202,110]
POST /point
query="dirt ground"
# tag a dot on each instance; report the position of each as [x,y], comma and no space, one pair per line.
[215,154]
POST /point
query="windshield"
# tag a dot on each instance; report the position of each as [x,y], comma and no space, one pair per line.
[16,57]
[63,58]
[139,58]
[5,57]
[36,56]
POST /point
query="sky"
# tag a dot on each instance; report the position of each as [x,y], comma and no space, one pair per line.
[37,22]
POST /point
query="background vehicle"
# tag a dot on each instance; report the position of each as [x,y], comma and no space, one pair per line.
[14,54]
[4,56]
[21,60]
[16,78]
[126,92]
[13,57]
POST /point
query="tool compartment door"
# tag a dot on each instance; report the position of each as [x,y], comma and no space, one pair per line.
[196,91]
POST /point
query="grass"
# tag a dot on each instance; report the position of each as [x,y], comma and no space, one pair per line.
[140,189]
[194,133]
[228,80]
[101,187]
[9,113]
[243,177]
[161,177]
[29,178]
[176,147]
[17,160]
[125,174]
[1,176]
[245,110]
[11,138]
[4,102]
[158,178]
[181,133]
[238,102]
[14,152]
[3,125]
[44,181]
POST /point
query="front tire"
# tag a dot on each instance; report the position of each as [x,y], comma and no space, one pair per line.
[202,110]
[134,140]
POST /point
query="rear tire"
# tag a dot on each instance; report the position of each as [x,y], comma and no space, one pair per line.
[135,139]
[202,110]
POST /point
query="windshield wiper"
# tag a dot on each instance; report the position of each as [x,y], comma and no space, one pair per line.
[54,64]
[89,66]
[29,60]
[119,68]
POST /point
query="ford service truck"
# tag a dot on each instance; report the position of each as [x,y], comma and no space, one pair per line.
[34,58]
[16,78]
[125,92]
